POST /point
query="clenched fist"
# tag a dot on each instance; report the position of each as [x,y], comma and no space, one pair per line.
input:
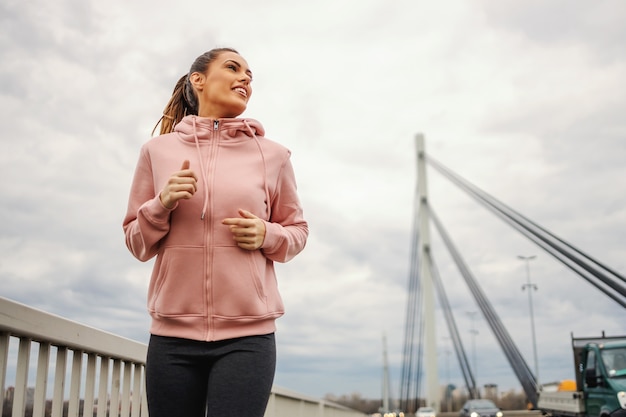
[181,185]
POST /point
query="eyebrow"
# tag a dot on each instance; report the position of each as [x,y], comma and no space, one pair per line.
[239,66]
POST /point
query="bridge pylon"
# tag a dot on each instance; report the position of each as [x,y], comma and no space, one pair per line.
[426,281]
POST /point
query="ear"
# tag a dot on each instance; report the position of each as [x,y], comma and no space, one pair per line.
[197,80]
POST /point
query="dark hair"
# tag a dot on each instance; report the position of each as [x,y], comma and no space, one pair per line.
[184,100]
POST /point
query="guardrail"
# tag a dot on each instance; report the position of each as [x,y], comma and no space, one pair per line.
[106,375]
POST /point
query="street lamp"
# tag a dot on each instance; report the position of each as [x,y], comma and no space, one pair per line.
[474,332]
[448,394]
[530,286]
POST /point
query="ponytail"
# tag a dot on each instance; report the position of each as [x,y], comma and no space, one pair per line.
[182,103]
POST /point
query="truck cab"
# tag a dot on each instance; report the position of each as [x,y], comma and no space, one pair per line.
[602,374]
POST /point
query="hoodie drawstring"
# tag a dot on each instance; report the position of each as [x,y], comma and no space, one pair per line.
[205,174]
[268,210]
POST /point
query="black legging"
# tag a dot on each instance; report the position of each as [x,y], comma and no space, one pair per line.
[189,378]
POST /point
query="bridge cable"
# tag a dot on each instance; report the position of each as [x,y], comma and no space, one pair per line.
[584,265]
[466,370]
[411,317]
[561,256]
[420,360]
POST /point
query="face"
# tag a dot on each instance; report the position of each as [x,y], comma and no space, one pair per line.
[224,90]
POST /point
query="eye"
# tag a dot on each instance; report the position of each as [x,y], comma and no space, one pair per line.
[231,67]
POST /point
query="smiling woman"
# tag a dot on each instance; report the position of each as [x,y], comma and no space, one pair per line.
[216,203]
[192,89]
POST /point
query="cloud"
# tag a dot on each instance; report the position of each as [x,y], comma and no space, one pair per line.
[593,26]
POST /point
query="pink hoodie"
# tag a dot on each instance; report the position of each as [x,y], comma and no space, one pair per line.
[203,286]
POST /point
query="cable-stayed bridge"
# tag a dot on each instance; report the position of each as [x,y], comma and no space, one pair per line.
[419,349]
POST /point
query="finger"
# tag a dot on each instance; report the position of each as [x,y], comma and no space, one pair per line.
[244,239]
[188,174]
[247,233]
[182,179]
[245,242]
[248,244]
[182,184]
[230,221]
[237,221]
[246,214]
[181,187]
[183,195]
[185,167]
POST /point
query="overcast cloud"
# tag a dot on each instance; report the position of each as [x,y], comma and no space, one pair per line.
[525,99]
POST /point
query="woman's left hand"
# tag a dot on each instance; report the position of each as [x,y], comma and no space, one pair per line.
[248,230]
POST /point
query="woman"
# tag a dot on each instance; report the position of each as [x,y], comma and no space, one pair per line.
[216,203]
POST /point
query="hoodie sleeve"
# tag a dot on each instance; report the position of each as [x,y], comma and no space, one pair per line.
[147,220]
[286,232]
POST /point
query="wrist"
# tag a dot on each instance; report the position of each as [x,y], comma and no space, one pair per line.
[166,203]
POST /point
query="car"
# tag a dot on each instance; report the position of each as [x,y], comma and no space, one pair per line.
[480,408]
[425,412]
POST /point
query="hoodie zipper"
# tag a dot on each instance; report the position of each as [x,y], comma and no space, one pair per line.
[209,226]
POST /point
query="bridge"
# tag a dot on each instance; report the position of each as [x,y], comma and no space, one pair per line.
[98,371]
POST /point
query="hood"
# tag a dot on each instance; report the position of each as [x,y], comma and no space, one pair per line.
[195,129]
[192,127]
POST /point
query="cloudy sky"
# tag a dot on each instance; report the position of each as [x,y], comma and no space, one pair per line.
[525,99]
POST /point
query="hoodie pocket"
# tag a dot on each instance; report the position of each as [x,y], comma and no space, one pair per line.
[237,283]
[179,284]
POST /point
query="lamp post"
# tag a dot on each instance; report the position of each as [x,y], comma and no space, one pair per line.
[474,332]
[447,391]
[530,287]
[448,396]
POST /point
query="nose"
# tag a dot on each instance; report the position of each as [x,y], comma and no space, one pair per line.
[246,78]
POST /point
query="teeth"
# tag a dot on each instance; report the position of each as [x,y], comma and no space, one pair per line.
[242,91]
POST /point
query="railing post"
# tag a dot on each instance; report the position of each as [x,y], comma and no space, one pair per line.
[41,383]
[138,392]
[21,378]
[125,407]
[144,399]
[77,365]
[90,384]
[4,357]
[103,387]
[59,382]
[114,405]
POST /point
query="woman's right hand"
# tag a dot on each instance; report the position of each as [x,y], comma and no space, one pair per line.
[181,185]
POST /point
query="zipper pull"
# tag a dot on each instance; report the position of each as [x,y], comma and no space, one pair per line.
[216,125]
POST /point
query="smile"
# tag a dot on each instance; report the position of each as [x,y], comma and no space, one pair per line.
[241,91]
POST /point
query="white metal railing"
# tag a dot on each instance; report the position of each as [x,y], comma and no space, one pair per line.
[106,372]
